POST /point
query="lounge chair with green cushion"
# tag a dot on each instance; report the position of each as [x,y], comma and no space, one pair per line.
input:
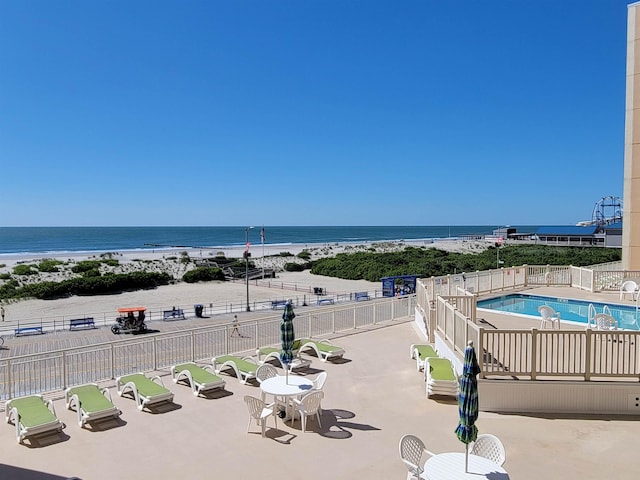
[422,352]
[201,379]
[144,390]
[323,349]
[244,367]
[91,403]
[32,416]
[441,377]
[266,354]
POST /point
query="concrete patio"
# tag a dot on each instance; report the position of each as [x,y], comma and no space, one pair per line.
[372,398]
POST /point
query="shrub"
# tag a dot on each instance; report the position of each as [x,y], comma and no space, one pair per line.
[24,270]
[305,255]
[49,265]
[294,267]
[286,254]
[203,274]
[5,276]
[85,266]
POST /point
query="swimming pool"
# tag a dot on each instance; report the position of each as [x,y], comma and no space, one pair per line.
[569,309]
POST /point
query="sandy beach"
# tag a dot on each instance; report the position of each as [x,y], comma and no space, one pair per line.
[184,295]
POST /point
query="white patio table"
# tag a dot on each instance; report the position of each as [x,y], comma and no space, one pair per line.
[283,387]
[447,466]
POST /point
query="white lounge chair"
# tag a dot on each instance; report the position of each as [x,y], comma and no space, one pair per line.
[549,317]
[144,390]
[420,353]
[245,368]
[201,379]
[91,403]
[628,287]
[324,349]
[441,377]
[32,415]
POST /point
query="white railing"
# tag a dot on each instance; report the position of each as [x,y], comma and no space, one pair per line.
[54,371]
[531,354]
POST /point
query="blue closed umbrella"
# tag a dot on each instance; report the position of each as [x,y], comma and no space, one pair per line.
[287,336]
[467,431]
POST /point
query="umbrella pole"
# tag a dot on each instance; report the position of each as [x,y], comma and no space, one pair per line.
[466,458]
[286,373]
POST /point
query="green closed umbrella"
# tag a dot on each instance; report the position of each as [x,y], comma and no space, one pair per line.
[287,337]
[467,431]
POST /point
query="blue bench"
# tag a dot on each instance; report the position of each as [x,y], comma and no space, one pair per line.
[28,330]
[76,323]
[361,296]
[325,301]
[275,304]
[178,313]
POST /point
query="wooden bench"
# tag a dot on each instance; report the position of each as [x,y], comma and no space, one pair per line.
[275,304]
[325,301]
[361,296]
[76,323]
[173,314]
[28,330]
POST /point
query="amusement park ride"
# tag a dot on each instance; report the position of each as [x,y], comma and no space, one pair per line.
[607,210]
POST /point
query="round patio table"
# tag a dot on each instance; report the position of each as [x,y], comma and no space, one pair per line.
[283,388]
[447,466]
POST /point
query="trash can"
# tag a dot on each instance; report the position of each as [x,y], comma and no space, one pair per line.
[198,308]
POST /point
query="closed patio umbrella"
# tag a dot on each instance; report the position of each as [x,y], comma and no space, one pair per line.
[467,431]
[287,337]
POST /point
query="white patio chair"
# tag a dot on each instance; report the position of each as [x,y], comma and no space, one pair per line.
[259,411]
[411,450]
[604,321]
[628,287]
[264,371]
[319,381]
[490,447]
[549,317]
[308,406]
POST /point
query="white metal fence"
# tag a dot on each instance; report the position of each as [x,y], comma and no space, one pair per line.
[54,371]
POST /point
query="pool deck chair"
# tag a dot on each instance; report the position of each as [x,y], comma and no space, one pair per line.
[244,367]
[420,353]
[441,377]
[266,354]
[201,379]
[91,403]
[144,390]
[32,416]
[323,349]
[549,317]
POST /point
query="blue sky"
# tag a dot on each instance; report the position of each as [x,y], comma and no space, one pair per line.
[310,112]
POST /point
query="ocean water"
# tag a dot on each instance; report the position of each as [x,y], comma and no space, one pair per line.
[18,240]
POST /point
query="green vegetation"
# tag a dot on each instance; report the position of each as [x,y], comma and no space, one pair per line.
[49,265]
[286,254]
[304,255]
[24,270]
[102,285]
[296,267]
[203,274]
[427,262]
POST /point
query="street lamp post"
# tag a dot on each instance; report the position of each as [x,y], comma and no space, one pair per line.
[246,263]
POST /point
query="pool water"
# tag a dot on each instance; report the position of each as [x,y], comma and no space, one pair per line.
[569,309]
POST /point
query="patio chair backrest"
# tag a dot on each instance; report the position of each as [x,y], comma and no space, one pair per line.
[490,447]
[255,406]
[319,381]
[605,322]
[411,449]
[265,371]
